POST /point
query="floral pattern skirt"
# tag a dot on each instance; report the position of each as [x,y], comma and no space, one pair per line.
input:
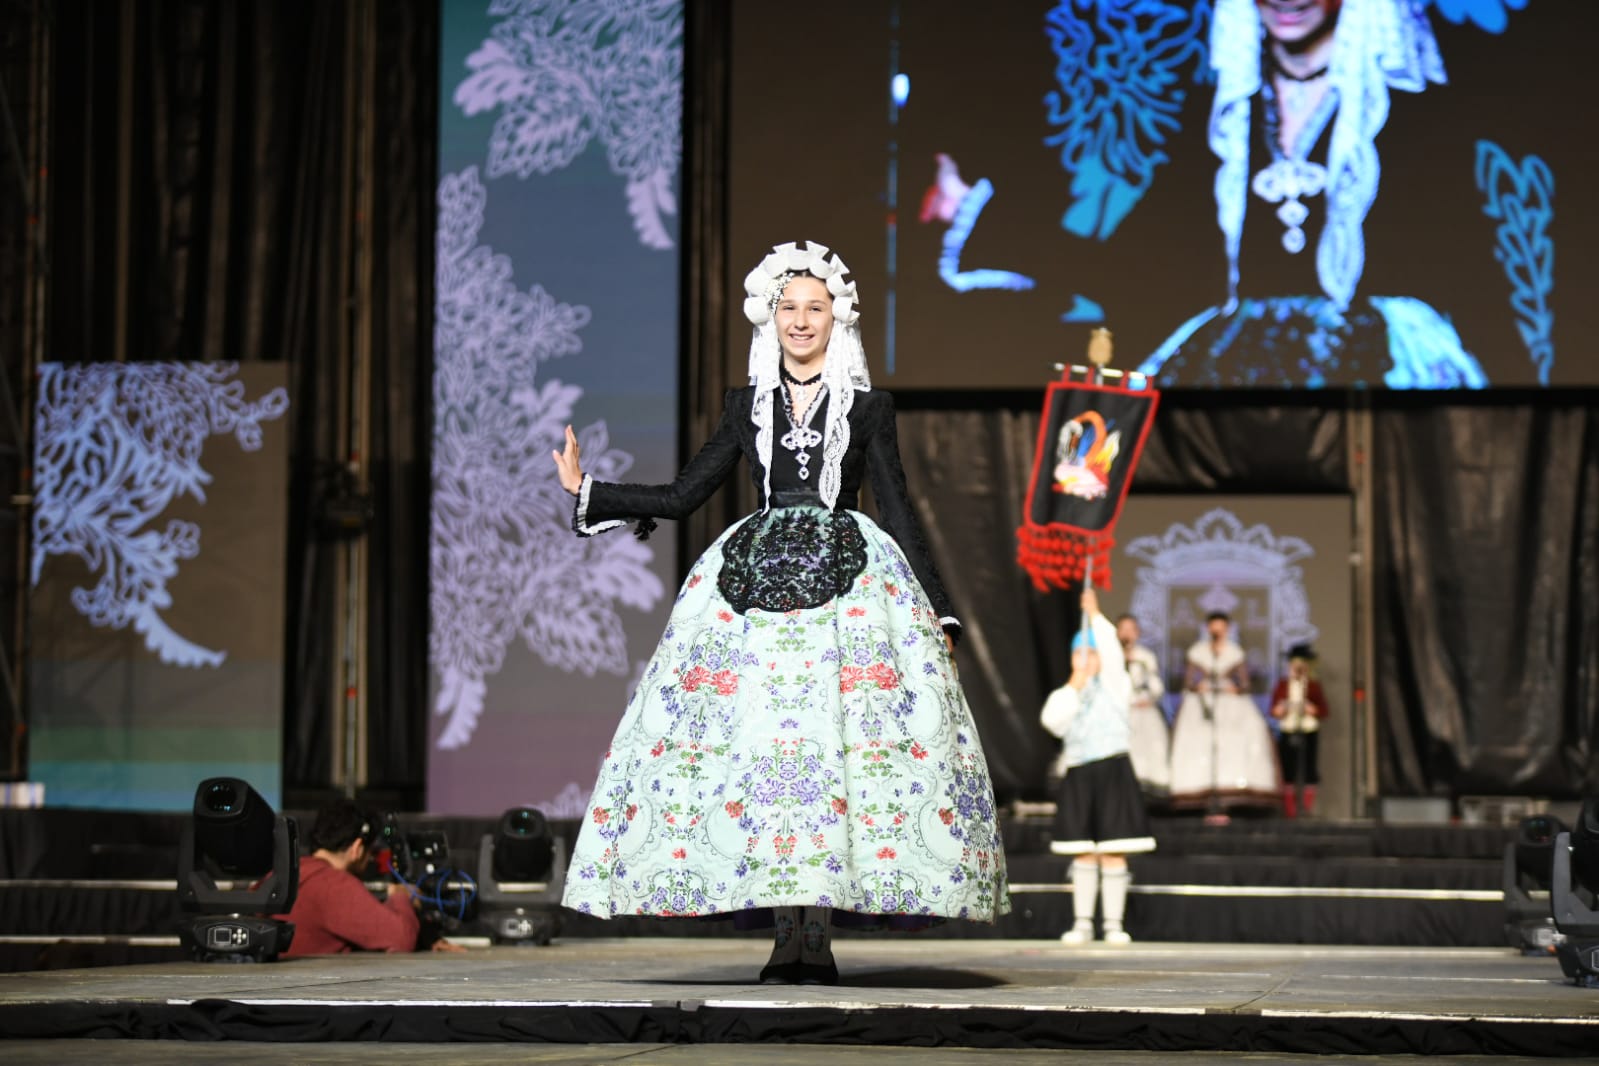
[815,757]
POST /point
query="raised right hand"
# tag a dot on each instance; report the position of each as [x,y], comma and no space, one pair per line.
[568,465]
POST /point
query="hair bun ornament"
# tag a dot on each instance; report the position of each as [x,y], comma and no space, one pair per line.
[764,285]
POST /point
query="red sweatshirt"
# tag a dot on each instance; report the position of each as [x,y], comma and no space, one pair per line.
[334,913]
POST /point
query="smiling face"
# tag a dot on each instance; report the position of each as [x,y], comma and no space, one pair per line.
[1295,22]
[804,319]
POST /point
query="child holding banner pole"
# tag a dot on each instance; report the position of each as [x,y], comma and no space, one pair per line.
[1100,817]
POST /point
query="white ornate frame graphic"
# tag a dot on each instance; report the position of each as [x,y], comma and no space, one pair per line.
[1219,553]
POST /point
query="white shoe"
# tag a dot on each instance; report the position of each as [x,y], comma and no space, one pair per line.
[1117,936]
[1077,934]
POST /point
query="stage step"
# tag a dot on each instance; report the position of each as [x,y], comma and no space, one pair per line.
[1260,881]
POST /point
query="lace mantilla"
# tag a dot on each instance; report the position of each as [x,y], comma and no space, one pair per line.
[843,373]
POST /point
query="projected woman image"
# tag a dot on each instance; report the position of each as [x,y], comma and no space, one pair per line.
[1303,87]
[1363,206]
[799,744]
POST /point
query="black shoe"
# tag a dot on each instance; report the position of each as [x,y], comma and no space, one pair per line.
[783,973]
[819,972]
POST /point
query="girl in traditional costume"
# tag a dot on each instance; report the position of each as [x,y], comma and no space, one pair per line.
[1222,754]
[799,741]
[1099,815]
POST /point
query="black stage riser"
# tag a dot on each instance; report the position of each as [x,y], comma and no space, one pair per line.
[697,1023]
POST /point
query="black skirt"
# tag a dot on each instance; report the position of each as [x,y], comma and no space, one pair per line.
[1101,809]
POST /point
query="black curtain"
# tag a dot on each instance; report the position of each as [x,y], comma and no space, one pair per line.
[205,172]
[407,121]
[1487,571]
[707,279]
[19,243]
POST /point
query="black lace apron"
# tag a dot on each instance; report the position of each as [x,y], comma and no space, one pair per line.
[795,555]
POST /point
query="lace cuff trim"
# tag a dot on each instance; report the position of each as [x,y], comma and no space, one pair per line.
[949,622]
[580,513]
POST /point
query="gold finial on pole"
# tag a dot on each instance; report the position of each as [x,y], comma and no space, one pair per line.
[1099,347]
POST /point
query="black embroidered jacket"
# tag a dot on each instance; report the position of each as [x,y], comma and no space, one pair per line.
[873,449]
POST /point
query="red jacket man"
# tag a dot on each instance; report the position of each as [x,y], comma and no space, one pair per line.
[1299,707]
[333,912]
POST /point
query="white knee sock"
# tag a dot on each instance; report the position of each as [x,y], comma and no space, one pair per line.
[1085,891]
[1115,884]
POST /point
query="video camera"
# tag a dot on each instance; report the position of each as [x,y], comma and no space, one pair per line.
[421,859]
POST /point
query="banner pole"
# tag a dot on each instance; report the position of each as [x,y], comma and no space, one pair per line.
[1088,583]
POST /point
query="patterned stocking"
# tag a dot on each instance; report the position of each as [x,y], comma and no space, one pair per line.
[816,936]
[786,940]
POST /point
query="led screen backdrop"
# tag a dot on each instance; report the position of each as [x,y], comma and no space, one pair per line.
[1279,565]
[560,139]
[1005,177]
[156,611]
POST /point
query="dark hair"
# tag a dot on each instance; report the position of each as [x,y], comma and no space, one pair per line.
[1128,618]
[1214,615]
[340,824]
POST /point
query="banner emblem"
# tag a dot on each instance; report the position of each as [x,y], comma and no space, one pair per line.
[1089,443]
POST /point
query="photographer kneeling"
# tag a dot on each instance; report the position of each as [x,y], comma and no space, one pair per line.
[333,912]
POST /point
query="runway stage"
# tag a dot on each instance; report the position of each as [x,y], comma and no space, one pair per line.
[894,991]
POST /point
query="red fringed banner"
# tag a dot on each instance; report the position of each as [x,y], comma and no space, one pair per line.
[1088,446]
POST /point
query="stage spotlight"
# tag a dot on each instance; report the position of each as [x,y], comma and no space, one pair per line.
[1585,846]
[1528,868]
[521,872]
[523,846]
[235,834]
[1574,897]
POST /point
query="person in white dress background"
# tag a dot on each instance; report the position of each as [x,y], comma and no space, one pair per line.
[1222,752]
[1150,745]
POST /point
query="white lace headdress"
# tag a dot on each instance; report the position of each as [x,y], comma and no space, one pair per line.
[843,373]
[1379,45]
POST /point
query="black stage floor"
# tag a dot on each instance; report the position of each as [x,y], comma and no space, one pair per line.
[236,1053]
[641,994]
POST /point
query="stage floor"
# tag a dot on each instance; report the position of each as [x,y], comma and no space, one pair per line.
[899,991]
[153,1053]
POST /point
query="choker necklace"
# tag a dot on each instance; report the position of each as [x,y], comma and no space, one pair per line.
[1282,72]
[782,369]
